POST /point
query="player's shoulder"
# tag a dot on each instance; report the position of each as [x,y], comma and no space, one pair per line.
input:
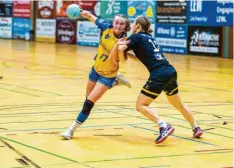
[145,35]
[141,36]
[103,24]
[133,36]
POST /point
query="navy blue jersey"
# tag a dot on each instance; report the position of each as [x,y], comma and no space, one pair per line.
[146,50]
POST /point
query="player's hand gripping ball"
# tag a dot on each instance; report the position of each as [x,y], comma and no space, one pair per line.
[73,11]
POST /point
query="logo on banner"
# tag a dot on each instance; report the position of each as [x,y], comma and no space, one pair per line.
[45,13]
[162,30]
[46,8]
[149,12]
[204,39]
[109,11]
[131,11]
[196,5]
[172,31]
[66,32]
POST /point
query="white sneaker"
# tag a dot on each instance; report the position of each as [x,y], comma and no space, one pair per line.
[67,134]
[121,80]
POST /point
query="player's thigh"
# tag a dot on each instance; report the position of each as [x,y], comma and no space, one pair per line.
[90,86]
[143,100]
[175,100]
[153,87]
[97,92]
[171,88]
[93,78]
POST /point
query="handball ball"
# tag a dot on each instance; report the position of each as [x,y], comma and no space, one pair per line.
[73,11]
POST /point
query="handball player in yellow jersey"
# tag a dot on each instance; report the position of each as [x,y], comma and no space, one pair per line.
[104,73]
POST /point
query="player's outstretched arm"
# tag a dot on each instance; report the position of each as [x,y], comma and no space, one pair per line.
[86,14]
[117,54]
[114,53]
[122,46]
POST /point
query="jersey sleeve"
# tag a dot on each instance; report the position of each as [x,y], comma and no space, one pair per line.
[103,24]
[133,42]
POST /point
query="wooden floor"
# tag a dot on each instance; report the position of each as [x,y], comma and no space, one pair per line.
[43,88]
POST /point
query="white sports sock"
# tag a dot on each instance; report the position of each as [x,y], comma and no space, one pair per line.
[194,126]
[115,83]
[74,126]
[162,124]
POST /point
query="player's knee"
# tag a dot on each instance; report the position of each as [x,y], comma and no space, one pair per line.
[138,106]
[87,107]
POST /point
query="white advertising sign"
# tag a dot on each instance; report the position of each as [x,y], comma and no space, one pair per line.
[88,34]
[5,27]
[45,30]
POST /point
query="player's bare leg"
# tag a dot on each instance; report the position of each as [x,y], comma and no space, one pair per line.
[175,100]
[96,93]
[142,106]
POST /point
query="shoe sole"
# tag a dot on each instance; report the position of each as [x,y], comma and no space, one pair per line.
[164,138]
[129,85]
[126,83]
[65,137]
[198,134]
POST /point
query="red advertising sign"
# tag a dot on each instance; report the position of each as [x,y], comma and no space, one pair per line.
[93,6]
[46,9]
[66,31]
[21,8]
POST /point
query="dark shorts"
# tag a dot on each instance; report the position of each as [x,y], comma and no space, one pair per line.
[162,79]
[95,77]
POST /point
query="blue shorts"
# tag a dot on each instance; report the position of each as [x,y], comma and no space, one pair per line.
[95,77]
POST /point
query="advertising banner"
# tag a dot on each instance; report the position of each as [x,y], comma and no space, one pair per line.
[225,9]
[220,12]
[88,34]
[21,28]
[5,8]
[172,38]
[6,27]
[146,8]
[93,6]
[109,8]
[21,8]
[45,30]
[204,40]
[66,31]
[46,9]
[171,12]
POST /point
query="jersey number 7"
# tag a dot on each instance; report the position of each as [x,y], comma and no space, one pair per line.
[103,57]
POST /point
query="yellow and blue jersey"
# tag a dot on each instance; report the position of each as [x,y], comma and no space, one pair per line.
[102,65]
